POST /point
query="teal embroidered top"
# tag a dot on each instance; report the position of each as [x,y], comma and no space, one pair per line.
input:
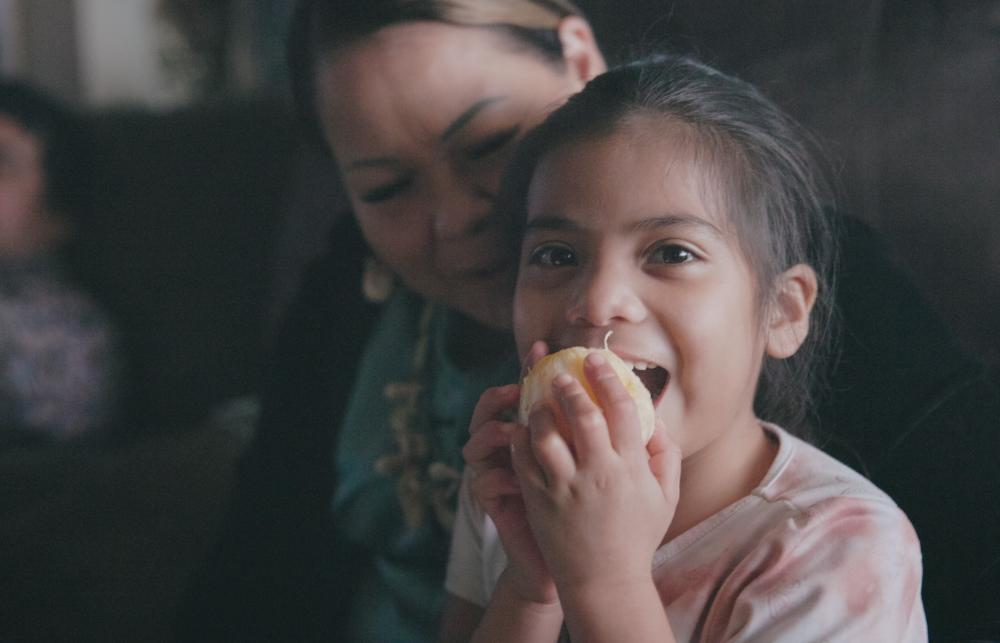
[399,463]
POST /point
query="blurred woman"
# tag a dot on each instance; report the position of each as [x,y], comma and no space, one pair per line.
[341,525]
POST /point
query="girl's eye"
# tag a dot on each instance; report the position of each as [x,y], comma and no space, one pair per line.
[491,144]
[671,253]
[387,191]
[552,256]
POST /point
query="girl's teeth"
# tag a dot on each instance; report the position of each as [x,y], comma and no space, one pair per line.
[639,366]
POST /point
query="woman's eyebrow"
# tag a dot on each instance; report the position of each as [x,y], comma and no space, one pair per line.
[463,119]
[375,161]
[466,116]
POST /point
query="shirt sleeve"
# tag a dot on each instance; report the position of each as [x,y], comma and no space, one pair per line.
[845,569]
[464,577]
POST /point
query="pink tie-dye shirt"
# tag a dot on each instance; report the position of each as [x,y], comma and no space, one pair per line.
[814,553]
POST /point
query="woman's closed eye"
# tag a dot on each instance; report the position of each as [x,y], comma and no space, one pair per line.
[386,191]
[671,253]
[552,255]
[491,144]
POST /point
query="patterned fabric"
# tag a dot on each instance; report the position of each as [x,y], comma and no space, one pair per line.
[398,465]
[814,553]
[59,368]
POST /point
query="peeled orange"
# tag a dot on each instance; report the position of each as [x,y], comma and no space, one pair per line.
[536,386]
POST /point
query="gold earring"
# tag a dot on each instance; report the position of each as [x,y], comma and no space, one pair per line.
[377,281]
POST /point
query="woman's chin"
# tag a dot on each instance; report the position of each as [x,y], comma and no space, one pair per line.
[492,314]
[487,300]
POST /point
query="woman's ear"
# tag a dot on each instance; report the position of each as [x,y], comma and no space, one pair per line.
[583,58]
[788,321]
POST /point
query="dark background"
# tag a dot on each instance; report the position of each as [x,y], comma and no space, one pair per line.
[208,212]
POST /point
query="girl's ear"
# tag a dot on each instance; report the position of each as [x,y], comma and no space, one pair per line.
[788,322]
[583,58]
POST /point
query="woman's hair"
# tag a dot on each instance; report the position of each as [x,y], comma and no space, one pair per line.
[774,196]
[65,146]
[321,26]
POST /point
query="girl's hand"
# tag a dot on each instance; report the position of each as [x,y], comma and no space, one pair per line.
[496,488]
[601,508]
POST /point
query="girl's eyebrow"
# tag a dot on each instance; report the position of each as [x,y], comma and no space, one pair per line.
[675,220]
[552,222]
[455,126]
[555,222]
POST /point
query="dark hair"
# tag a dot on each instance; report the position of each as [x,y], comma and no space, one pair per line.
[775,196]
[64,142]
[321,26]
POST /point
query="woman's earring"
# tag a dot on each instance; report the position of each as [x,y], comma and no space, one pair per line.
[377,281]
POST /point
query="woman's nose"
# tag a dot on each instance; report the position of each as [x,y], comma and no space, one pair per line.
[463,210]
[605,295]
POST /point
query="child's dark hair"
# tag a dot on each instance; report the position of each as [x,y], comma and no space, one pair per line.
[65,146]
[321,26]
[773,193]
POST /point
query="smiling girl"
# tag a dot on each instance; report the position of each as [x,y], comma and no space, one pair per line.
[678,208]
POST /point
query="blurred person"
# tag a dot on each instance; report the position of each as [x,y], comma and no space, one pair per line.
[59,365]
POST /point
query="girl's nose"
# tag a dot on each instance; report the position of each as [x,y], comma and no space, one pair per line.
[605,295]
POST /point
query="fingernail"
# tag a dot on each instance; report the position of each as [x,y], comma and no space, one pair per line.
[596,359]
[562,380]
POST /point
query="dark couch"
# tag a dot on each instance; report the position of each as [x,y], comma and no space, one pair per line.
[97,541]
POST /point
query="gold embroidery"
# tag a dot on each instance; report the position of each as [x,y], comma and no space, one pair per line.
[423,483]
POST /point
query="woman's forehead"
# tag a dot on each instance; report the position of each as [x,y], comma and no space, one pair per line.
[419,79]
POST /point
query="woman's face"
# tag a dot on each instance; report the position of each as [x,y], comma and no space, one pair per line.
[25,225]
[421,118]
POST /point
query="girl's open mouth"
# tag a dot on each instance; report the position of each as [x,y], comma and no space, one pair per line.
[654,378]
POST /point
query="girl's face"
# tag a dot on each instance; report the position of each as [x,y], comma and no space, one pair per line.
[421,118]
[623,234]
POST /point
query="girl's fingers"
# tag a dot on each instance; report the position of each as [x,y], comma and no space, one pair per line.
[665,462]
[492,403]
[529,474]
[481,450]
[549,447]
[585,419]
[620,410]
[494,484]
[537,351]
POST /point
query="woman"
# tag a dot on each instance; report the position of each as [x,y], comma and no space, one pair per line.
[339,528]
[420,104]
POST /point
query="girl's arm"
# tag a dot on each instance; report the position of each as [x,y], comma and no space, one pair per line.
[524,606]
[600,509]
[458,620]
[511,617]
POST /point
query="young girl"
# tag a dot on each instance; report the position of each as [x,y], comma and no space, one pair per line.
[678,208]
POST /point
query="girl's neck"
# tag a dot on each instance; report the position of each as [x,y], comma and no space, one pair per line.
[745,454]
